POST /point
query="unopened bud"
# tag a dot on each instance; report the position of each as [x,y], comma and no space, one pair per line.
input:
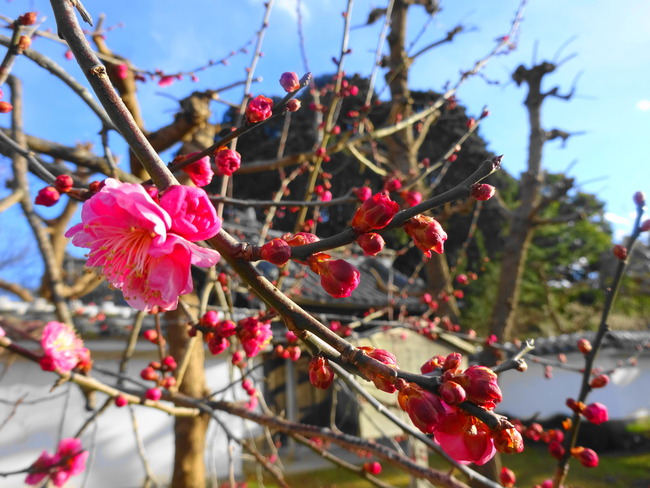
[584,346]
[599,381]
[639,198]
[63,183]
[289,81]
[27,19]
[619,251]
[482,191]
[293,105]
[5,107]
[24,42]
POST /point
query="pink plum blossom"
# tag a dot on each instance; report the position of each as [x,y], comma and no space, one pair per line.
[463,437]
[63,349]
[69,460]
[145,249]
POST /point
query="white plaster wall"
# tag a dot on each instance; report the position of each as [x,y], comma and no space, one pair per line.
[627,396]
[43,417]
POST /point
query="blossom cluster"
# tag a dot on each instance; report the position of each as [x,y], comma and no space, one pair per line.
[253,334]
[461,435]
[69,460]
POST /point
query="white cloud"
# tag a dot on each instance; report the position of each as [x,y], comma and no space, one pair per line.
[643,105]
[617,219]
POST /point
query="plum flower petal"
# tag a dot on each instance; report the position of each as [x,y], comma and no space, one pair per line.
[193,216]
[142,249]
[62,347]
[69,460]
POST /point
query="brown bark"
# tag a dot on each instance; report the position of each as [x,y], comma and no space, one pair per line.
[189,464]
[522,225]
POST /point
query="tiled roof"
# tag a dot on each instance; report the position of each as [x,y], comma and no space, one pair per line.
[625,340]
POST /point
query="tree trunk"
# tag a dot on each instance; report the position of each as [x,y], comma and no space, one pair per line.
[522,226]
[189,463]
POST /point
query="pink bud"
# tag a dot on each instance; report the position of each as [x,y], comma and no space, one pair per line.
[363,193]
[338,277]
[259,108]
[276,251]
[47,196]
[383,356]
[639,198]
[121,401]
[153,394]
[507,477]
[293,105]
[620,251]
[587,457]
[227,160]
[372,467]
[508,441]
[481,191]
[289,81]
[321,374]
[427,234]
[596,413]
[371,243]
[584,346]
[63,183]
[423,407]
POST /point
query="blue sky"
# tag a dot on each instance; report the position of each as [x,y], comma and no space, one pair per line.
[611,46]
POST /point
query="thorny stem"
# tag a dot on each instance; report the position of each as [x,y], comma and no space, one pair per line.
[603,328]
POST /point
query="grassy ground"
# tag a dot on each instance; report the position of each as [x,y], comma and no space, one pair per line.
[531,467]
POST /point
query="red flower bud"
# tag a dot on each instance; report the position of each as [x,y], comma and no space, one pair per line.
[452,361]
[584,346]
[153,394]
[452,393]
[200,172]
[149,374]
[577,407]
[481,386]
[121,401]
[321,373]
[24,42]
[432,364]
[392,184]
[63,183]
[507,477]
[372,467]
[254,335]
[227,160]
[620,251]
[47,196]
[169,363]
[386,357]
[596,413]
[363,193]
[423,407]
[259,108]
[411,198]
[481,191]
[645,226]
[639,198]
[5,107]
[293,105]
[276,251]
[375,213]
[289,81]
[27,19]
[599,381]
[427,234]
[300,239]
[508,441]
[587,457]
[556,449]
[371,243]
[337,277]
[462,279]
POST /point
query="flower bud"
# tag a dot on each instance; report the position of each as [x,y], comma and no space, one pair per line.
[63,183]
[599,381]
[481,191]
[169,363]
[423,407]
[149,374]
[427,234]
[556,449]
[121,401]
[375,213]
[587,457]
[383,356]
[620,251]
[639,198]
[276,251]
[28,18]
[577,407]
[337,277]
[481,386]
[227,160]
[596,413]
[452,361]
[371,243]
[645,225]
[452,393]
[321,373]
[47,196]
[372,467]
[289,81]
[508,441]
[5,107]
[259,108]
[584,346]
[507,477]
[363,193]
[293,105]
[24,42]
[411,198]
[432,364]
[153,394]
